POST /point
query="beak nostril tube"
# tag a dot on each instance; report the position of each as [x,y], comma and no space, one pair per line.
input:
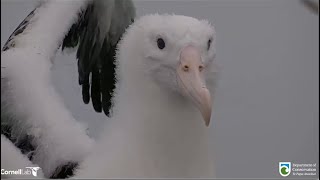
[193,83]
[185,68]
[200,68]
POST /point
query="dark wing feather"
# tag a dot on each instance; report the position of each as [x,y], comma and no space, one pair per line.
[96,34]
[22,26]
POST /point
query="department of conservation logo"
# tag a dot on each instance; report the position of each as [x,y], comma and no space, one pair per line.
[284,168]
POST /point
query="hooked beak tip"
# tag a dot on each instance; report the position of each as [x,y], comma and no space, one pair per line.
[206,108]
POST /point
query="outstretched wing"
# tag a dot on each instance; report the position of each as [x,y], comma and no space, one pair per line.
[33,115]
[96,35]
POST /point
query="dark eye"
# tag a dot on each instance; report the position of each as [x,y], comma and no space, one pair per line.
[161,43]
[209,43]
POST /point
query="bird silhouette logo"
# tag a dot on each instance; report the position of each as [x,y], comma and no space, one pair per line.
[34,170]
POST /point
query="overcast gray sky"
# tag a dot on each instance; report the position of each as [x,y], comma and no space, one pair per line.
[266,108]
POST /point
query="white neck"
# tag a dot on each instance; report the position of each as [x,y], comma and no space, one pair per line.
[152,134]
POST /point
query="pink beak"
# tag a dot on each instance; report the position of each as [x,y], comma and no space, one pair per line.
[192,81]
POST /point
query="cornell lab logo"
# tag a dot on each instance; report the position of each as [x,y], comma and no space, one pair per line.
[34,170]
[284,168]
[28,171]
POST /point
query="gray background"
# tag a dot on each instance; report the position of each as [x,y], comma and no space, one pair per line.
[266,106]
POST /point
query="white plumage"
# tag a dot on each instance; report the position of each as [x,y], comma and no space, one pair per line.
[155,130]
[13,160]
[165,75]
